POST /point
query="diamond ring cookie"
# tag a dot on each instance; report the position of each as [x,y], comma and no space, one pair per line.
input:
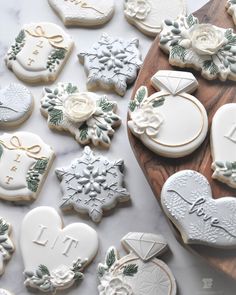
[6,245]
[187,200]
[85,13]
[24,163]
[139,272]
[147,15]
[171,122]
[111,64]
[204,47]
[55,256]
[39,52]
[88,116]
[16,105]
[92,184]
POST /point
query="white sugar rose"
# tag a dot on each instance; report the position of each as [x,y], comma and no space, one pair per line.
[116,286]
[207,39]
[62,276]
[79,107]
[137,9]
[146,120]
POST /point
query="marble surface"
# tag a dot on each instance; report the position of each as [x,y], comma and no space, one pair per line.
[193,276]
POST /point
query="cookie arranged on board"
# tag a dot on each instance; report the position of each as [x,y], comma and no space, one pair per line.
[5,292]
[85,13]
[139,272]
[24,163]
[231,9]
[6,245]
[187,200]
[204,47]
[111,63]
[92,184]
[223,144]
[39,52]
[16,105]
[156,119]
[148,15]
[54,257]
[88,116]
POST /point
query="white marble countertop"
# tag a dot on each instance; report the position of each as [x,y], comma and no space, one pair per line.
[193,276]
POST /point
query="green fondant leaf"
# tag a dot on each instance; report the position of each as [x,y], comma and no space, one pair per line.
[210,66]
[178,51]
[105,105]
[101,271]
[191,20]
[141,94]
[71,89]
[230,36]
[55,117]
[110,258]
[130,270]
[41,166]
[3,227]
[44,270]
[159,102]
[132,105]
[83,132]
[21,36]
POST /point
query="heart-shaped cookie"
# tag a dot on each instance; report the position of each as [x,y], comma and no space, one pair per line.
[50,250]
[187,200]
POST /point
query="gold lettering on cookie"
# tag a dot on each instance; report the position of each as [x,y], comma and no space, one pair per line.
[40,44]
[17,158]
[14,168]
[231,135]
[30,61]
[9,179]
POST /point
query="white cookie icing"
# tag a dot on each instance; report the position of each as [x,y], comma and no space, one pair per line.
[171,122]
[39,52]
[16,104]
[24,161]
[88,116]
[86,13]
[92,184]
[112,63]
[187,200]
[5,292]
[223,144]
[231,9]
[55,256]
[148,15]
[139,272]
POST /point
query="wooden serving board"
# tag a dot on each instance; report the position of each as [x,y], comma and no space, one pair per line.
[212,94]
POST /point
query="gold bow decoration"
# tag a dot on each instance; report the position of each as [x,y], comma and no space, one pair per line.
[54,40]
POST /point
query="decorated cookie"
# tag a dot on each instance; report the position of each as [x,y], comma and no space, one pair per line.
[231,9]
[5,292]
[39,52]
[204,47]
[6,245]
[86,13]
[57,255]
[187,200]
[139,272]
[156,119]
[24,163]
[88,116]
[16,104]
[223,144]
[147,15]
[92,184]
[111,63]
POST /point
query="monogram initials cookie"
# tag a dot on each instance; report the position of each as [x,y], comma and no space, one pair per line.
[24,162]
[204,47]
[39,52]
[6,245]
[147,15]
[187,200]
[92,184]
[54,257]
[86,13]
[88,116]
[16,104]
[223,144]
[139,272]
[156,119]
[111,64]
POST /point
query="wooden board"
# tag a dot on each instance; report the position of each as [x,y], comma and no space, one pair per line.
[212,94]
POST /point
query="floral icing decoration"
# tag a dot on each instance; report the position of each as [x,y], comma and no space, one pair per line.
[138,9]
[88,116]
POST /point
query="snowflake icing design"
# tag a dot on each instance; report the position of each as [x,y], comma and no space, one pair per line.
[92,183]
[112,63]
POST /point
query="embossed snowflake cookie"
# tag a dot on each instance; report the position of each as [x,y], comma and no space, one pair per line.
[147,15]
[24,163]
[204,47]
[187,200]
[156,119]
[57,255]
[139,272]
[39,52]
[86,13]
[88,116]
[112,63]
[6,245]
[92,184]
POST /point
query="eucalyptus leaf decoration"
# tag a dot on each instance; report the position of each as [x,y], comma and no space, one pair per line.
[17,46]
[55,58]
[225,169]
[6,245]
